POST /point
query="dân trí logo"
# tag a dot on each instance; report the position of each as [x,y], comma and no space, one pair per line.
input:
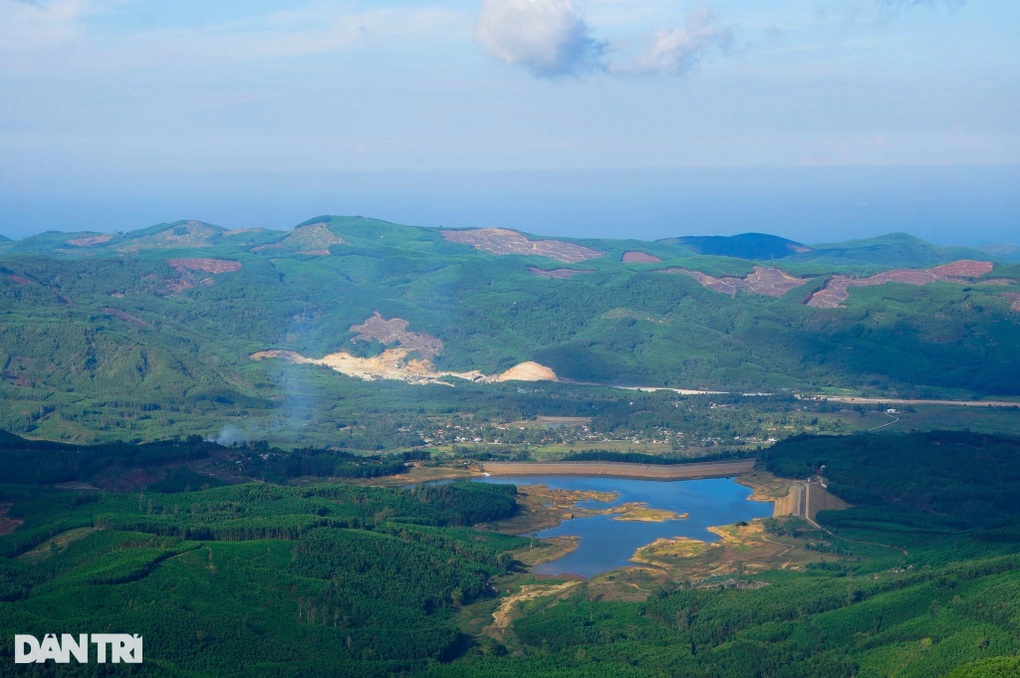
[115,648]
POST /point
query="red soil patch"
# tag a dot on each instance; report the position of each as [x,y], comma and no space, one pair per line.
[765,280]
[833,294]
[16,380]
[271,246]
[394,331]
[636,257]
[965,268]
[771,282]
[836,290]
[187,267]
[135,479]
[723,285]
[1014,299]
[20,279]
[7,525]
[907,276]
[504,241]
[559,273]
[90,240]
[207,265]
[312,239]
[116,312]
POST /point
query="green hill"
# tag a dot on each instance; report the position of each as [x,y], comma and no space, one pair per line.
[166,319]
[758,246]
[899,250]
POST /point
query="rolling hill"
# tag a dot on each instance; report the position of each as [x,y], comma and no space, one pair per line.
[165,323]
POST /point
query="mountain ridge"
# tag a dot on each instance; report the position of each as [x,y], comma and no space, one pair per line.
[166,318]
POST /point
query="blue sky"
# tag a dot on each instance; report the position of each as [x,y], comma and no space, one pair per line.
[814,119]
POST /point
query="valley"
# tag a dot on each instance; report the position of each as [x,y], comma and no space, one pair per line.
[272,442]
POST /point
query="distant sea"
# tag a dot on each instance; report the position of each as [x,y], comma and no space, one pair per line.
[953,205]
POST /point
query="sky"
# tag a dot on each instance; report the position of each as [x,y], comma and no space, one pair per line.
[818,120]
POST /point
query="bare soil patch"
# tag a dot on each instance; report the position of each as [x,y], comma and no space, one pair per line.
[400,364]
[764,280]
[638,257]
[543,507]
[742,549]
[837,290]
[547,550]
[710,469]
[638,511]
[189,234]
[213,266]
[269,246]
[557,273]
[8,524]
[964,268]
[123,315]
[833,294]
[765,486]
[1014,299]
[90,240]
[771,282]
[21,280]
[502,616]
[527,371]
[504,241]
[394,332]
[618,313]
[312,239]
[55,544]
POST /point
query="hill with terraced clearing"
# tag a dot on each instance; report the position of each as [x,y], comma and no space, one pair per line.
[187,318]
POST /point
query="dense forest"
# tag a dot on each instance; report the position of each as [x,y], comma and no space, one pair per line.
[920,576]
[246,579]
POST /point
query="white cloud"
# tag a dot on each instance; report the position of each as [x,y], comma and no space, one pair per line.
[548,37]
[677,51]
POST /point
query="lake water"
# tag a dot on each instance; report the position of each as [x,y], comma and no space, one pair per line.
[607,544]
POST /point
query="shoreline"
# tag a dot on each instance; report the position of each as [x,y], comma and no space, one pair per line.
[610,469]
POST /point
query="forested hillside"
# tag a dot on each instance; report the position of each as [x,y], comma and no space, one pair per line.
[918,578]
[144,330]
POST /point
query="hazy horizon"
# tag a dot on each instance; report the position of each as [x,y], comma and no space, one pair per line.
[945,205]
[815,121]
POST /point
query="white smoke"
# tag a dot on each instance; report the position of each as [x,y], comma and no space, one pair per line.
[229,436]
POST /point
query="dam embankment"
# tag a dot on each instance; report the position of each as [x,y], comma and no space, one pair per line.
[691,471]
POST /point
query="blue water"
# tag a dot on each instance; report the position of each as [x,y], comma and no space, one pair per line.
[607,544]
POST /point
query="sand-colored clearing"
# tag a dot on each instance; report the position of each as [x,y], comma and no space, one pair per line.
[501,616]
[398,364]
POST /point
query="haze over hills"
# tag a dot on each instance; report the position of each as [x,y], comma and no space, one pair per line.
[193,314]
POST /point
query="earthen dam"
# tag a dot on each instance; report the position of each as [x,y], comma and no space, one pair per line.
[695,470]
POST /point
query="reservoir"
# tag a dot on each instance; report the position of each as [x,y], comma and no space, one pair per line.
[607,544]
